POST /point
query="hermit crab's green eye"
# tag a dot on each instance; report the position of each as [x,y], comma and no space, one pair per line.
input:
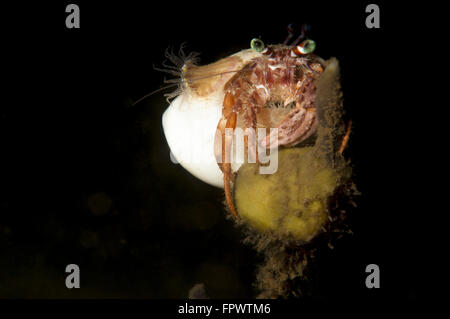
[307,46]
[257,45]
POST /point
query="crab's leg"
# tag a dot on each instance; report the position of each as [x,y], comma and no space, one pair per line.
[228,120]
[250,122]
[346,137]
[219,145]
[298,125]
[219,142]
[227,174]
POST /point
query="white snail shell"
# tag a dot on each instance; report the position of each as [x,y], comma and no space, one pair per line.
[190,121]
[189,125]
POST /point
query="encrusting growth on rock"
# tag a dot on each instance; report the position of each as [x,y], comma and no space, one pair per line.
[288,215]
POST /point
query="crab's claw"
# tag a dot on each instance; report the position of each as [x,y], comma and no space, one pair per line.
[222,149]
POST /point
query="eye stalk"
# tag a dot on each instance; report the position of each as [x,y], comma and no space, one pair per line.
[257,45]
[308,46]
[305,47]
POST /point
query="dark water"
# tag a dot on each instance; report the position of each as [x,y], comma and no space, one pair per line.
[86,177]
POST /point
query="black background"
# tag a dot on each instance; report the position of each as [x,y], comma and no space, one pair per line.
[70,136]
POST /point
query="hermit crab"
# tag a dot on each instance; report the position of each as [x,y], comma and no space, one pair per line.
[287,101]
[262,87]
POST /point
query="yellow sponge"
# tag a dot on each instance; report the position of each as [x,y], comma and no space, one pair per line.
[292,201]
